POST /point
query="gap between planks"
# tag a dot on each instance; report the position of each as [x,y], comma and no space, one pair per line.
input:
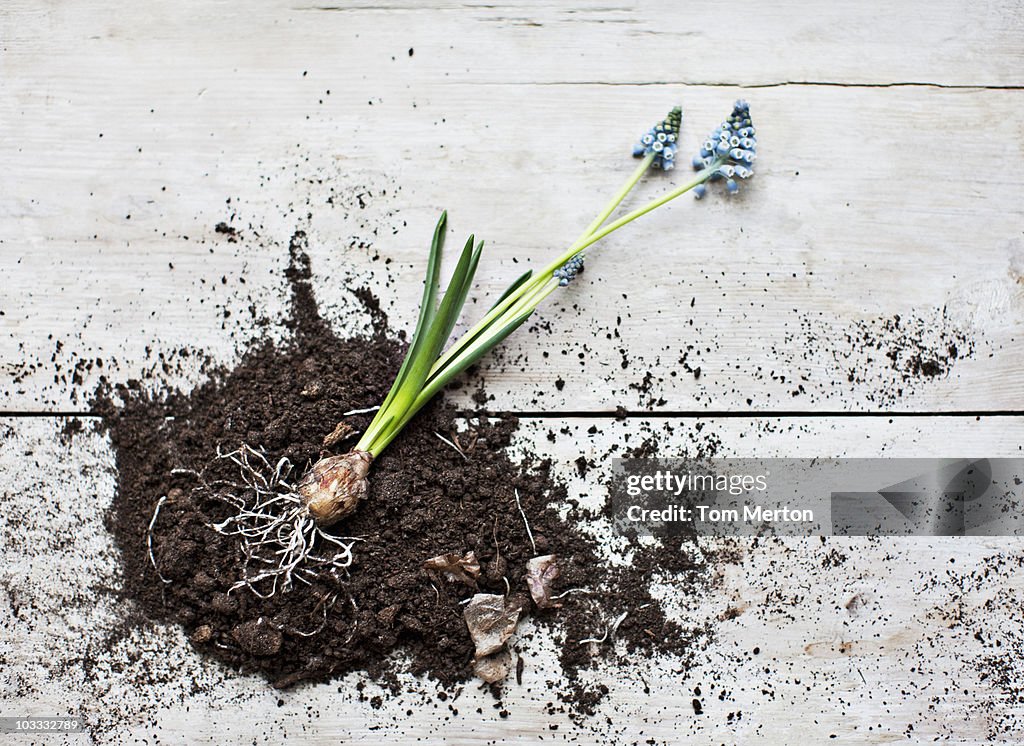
[773,84]
[641,414]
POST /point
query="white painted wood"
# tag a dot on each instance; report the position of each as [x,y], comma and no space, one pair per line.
[905,653]
[907,199]
[907,202]
[944,42]
[518,118]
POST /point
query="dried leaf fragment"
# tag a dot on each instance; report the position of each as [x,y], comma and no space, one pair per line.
[342,432]
[491,620]
[493,668]
[541,573]
[464,568]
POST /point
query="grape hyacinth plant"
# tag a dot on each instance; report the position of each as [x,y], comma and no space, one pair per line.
[282,525]
[661,141]
[731,150]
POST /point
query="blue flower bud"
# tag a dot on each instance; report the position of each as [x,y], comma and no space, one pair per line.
[661,140]
[730,150]
[568,271]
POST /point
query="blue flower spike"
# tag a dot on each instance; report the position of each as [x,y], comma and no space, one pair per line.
[568,271]
[730,150]
[661,140]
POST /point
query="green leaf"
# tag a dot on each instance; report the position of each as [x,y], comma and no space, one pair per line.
[513,287]
[451,304]
[422,359]
[428,306]
[428,310]
[479,348]
[470,337]
[457,293]
[441,378]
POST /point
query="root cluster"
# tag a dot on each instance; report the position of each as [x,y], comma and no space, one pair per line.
[279,541]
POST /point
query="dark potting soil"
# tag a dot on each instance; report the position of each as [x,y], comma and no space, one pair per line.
[426,499]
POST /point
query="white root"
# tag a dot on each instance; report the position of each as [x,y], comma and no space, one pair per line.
[149,538]
[453,445]
[279,540]
[278,536]
[525,522]
[609,631]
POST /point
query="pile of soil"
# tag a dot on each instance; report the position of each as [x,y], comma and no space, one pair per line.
[426,499]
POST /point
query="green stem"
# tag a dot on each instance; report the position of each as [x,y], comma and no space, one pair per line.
[544,286]
[593,238]
[435,383]
[522,302]
[619,196]
[528,302]
[534,282]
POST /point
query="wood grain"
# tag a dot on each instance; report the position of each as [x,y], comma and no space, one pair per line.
[886,215]
[944,42]
[868,205]
[869,641]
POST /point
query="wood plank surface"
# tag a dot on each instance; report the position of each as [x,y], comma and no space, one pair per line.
[125,149]
[869,205]
[875,264]
[846,640]
[943,42]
